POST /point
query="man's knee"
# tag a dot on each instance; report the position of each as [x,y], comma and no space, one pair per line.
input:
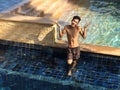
[69,61]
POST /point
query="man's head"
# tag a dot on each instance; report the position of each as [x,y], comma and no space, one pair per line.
[75,21]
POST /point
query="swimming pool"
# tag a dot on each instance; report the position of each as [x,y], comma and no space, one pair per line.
[104,16]
[35,67]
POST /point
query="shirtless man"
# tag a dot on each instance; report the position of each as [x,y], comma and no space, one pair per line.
[73,51]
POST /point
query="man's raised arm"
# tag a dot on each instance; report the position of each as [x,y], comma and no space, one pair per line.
[83,31]
[61,32]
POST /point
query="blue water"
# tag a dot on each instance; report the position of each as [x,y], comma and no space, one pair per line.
[6,4]
[104,16]
[36,68]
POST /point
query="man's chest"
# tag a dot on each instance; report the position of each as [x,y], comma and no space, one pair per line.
[72,33]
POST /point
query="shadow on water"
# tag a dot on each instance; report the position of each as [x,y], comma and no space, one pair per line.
[80,3]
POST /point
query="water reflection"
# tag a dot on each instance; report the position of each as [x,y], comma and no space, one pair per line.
[56,8]
[104,16]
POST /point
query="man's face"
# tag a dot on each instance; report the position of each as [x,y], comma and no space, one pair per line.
[74,22]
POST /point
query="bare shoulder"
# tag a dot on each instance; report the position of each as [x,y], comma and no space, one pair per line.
[66,27]
[79,28]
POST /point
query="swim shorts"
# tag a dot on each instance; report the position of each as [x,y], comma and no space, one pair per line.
[73,53]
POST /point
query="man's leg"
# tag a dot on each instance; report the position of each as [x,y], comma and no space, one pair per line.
[72,67]
[75,56]
[69,61]
[74,64]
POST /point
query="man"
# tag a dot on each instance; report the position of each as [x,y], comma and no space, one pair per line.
[73,51]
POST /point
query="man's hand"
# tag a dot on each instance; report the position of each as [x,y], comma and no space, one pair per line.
[57,24]
[87,23]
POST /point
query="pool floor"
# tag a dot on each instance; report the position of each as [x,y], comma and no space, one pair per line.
[33,68]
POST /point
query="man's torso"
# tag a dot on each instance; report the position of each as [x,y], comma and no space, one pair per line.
[72,36]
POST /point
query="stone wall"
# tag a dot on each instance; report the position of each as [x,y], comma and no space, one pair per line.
[33,33]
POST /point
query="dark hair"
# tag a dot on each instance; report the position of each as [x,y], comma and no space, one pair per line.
[77,17]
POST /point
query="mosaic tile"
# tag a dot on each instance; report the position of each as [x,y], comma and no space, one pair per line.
[94,69]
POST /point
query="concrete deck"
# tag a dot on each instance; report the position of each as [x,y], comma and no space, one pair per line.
[28,19]
[94,48]
[32,30]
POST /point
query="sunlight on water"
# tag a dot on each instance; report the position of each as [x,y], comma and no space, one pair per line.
[56,8]
[51,7]
[105,22]
[104,16]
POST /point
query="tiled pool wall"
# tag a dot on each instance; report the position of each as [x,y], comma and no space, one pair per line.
[34,67]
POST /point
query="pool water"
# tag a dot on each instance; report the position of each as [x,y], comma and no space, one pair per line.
[104,16]
[33,67]
[6,4]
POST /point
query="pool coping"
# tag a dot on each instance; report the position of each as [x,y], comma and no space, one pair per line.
[27,19]
[59,43]
[93,48]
